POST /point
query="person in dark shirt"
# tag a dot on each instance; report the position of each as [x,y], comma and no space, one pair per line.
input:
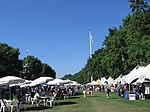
[142,90]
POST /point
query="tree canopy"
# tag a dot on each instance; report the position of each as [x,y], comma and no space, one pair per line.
[34,68]
[9,61]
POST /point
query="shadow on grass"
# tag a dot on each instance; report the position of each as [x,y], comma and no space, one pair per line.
[37,108]
[78,93]
[94,96]
[74,97]
[67,103]
[115,98]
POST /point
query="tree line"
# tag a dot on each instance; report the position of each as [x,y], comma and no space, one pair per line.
[123,48]
[29,68]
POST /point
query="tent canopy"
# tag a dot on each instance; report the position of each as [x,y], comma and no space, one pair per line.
[110,80]
[41,80]
[11,80]
[56,82]
[140,73]
[103,79]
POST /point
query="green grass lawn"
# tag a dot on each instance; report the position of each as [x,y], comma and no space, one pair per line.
[96,103]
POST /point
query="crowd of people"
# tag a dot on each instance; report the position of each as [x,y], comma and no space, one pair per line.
[138,89]
[29,94]
[120,89]
[62,92]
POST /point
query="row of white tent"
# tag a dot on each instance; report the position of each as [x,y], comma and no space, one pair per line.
[140,74]
[102,81]
[51,81]
[13,80]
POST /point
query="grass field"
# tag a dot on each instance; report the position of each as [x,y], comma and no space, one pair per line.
[96,103]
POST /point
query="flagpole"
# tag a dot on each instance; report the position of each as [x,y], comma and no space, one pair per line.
[90,44]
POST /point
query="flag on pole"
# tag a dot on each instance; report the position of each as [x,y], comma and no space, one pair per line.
[91,42]
[91,37]
[27,51]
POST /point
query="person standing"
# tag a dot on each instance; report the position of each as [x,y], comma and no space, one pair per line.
[142,89]
[84,90]
[91,90]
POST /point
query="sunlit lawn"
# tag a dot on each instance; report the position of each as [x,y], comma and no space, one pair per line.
[96,103]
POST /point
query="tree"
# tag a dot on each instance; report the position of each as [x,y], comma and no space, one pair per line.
[9,61]
[137,33]
[47,71]
[138,5]
[67,76]
[33,67]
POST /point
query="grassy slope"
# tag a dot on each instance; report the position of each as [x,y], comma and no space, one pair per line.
[96,103]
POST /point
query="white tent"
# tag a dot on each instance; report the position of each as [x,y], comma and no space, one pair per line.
[26,83]
[41,80]
[103,79]
[123,79]
[68,81]
[135,74]
[56,82]
[73,83]
[142,80]
[8,80]
[11,80]
[91,83]
[110,80]
[144,75]
[147,71]
[117,80]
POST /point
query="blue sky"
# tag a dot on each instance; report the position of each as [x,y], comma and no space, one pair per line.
[56,31]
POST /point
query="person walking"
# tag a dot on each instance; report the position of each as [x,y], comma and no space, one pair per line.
[107,89]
